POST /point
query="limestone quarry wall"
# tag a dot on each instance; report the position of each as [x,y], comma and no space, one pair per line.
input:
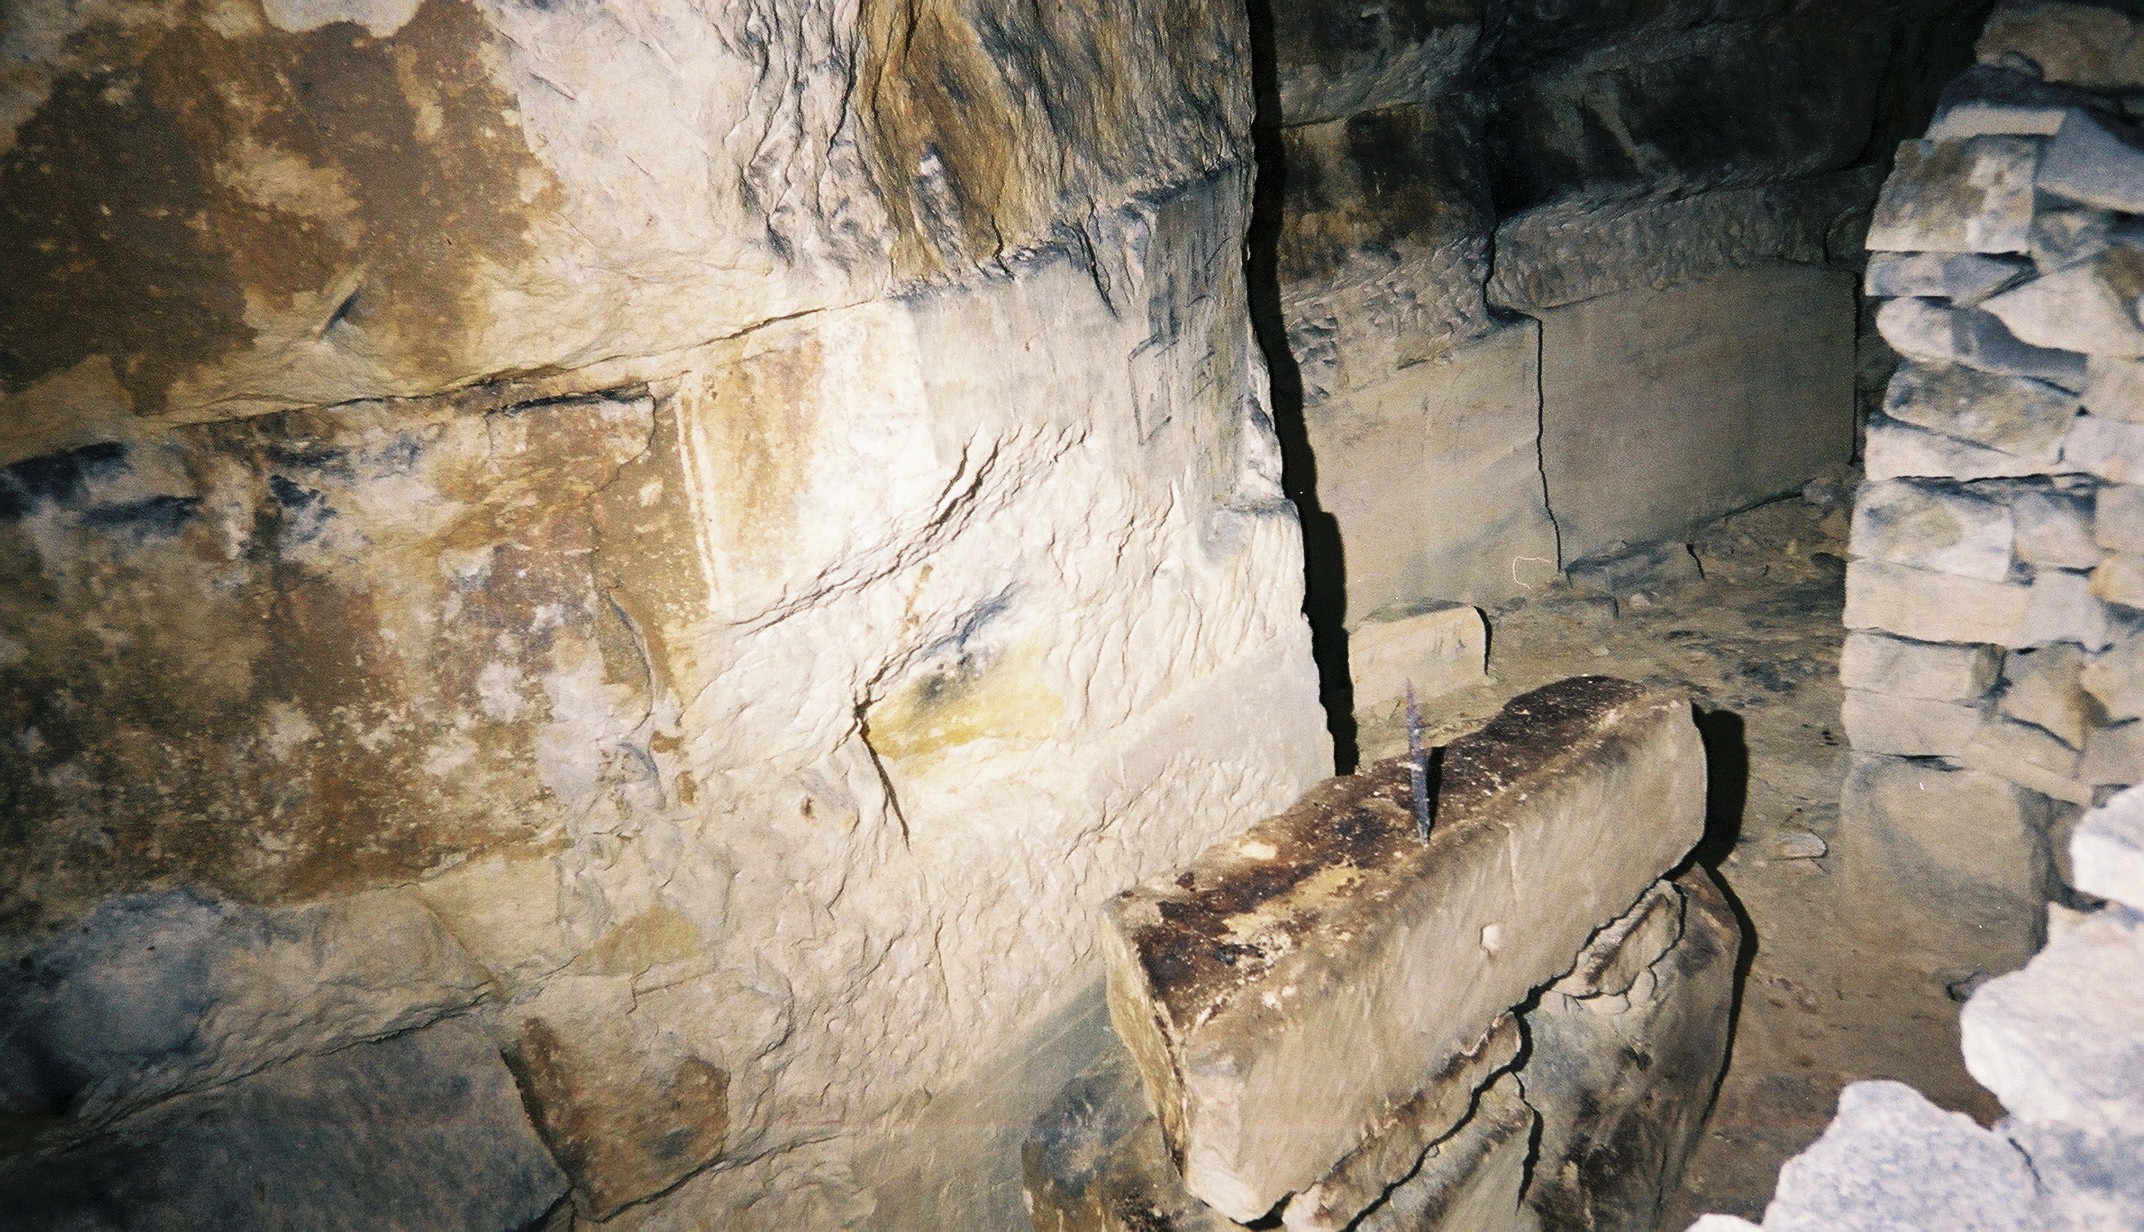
[663,559]
[1586,272]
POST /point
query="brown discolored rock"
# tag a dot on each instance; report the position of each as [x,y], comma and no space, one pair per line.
[1972,194]
[618,1141]
[1326,958]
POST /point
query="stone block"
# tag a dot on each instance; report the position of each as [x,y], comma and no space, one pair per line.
[2094,46]
[1441,650]
[1935,527]
[2064,234]
[2092,161]
[1932,670]
[1968,195]
[1701,381]
[1434,478]
[1973,841]
[1326,958]
[2119,579]
[2040,687]
[1965,279]
[2057,1042]
[2107,850]
[155,994]
[2109,448]
[1626,1052]
[1935,607]
[1926,330]
[2089,308]
[2090,1177]
[2054,528]
[2028,756]
[420,1130]
[1400,1140]
[2114,389]
[2115,676]
[2064,607]
[1907,726]
[2118,517]
[1894,450]
[1990,100]
[1624,573]
[2025,418]
[2114,756]
[1890,1159]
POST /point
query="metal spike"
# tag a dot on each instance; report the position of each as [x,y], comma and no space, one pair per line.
[1417,765]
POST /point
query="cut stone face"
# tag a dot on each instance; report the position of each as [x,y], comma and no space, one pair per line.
[1907,726]
[2107,851]
[2114,389]
[2090,161]
[1472,1179]
[2054,529]
[2108,448]
[2119,580]
[1893,450]
[1930,527]
[2027,756]
[1935,607]
[1964,279]
[2022,417]
[2116,677]
[2118,513]
[2040,687]
[1932,670]
[1970,195]
[1293,984]
[1926,330]
[2114,756]
[1436,651]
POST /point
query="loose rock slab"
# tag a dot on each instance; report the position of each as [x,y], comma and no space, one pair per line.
[1292,985]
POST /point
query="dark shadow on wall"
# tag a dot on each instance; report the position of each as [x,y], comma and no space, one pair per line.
[1324,565]
[1726,783]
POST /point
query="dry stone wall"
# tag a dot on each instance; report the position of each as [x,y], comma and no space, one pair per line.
[662,561]
[1516,239]
[1995,624]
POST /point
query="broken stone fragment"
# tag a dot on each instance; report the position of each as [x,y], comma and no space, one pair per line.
[1893,450]
[1987,100]
[1930,527]
[2090,307]
[2118,517]
[2093,46]
[1968,195]
[2108,448]
[2041,687]
[2091,161]
[2116,677]
[2119,579]
[1625,1054]
[2021,417]
[1397,1143]
[2114,389]
[2114,756]
[2064,607]
[2027,756]
[1290,986]
[1903,668]
[1439,650]
[2107,851]
[1473,1179]
[420,1130]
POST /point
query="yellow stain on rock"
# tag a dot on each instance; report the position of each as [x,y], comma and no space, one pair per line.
[1006,700]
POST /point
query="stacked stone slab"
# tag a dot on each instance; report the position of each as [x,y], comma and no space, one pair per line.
[2061,1043]
[1995,616]
[1324,1017]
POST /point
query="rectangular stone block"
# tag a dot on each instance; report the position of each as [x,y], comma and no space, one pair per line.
[1969,840]
[2118,518]
[1291,985]
[2088,160]
[1964,279]
[2064,607]
[1434,477]
[1934,607]
[2114,389]
[2108,448]
[1931,670]
[2089,307]
[2019,416]
[1933,527]
[1926,330]
[1722,392]
[2119,579]
[2054,529]
[2115,676]
[1907,726]
[1441,650]
[1968,195]
[2114,756]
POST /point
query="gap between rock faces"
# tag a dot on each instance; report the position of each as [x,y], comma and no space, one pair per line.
[1833,988]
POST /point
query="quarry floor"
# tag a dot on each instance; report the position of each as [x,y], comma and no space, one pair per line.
[1836,987]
